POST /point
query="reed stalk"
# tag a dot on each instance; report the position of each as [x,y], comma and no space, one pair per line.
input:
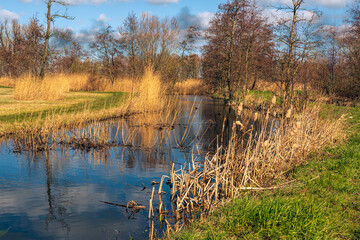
[260,152]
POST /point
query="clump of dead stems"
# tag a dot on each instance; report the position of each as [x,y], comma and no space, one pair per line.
[259,154]
[150,130]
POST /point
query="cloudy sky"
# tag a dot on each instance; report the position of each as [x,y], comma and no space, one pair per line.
[89,12]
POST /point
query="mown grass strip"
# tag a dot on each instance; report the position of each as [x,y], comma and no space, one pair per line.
[113,99]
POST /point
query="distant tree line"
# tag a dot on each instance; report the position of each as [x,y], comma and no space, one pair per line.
[242,47]
[125,52]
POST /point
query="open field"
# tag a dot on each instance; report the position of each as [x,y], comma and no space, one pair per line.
[326,205]
[18,110]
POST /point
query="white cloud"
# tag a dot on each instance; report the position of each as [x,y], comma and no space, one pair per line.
[204,19]
[6,14]
[330,28]
[333,3]
[84,37]
[78,2]
[275,15]
[325,3]
[200,20]
[103,18]
[158,2]
[271,3]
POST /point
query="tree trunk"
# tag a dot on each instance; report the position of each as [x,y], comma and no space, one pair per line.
[289,78]
[47,37]
[230,55]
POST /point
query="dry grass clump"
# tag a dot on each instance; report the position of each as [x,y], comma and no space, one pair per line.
[258,155]
[151,92]
[50,88]
[121,85]
[78,81]
[150,87]
[73,82]
[191,87]
[7,81]
[86,82]
[149,99]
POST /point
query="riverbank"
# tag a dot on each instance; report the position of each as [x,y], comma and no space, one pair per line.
[12,110]
[76,108]
[325,205]
[19,116]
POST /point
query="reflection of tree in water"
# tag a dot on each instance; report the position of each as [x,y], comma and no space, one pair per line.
[142,147]
[57,212]
[216,119]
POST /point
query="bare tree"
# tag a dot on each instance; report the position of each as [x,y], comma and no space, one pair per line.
[188,62]
[50,18]
[239,39]
[69,55]
[128,41]
[150,41]
[296,35]
[107,49]
[20,48]
[350,44]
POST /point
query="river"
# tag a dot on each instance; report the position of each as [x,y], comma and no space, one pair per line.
[60,194]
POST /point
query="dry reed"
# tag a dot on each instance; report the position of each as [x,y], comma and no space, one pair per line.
[53,87]
[191,87]
[7,81]
[260,152]
[50,88]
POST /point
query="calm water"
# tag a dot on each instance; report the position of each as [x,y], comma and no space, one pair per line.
[59,194]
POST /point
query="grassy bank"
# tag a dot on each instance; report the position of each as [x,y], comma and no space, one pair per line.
[325,206]
[36,115]
[12,110]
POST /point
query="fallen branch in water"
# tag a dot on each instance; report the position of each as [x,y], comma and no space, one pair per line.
[131,205]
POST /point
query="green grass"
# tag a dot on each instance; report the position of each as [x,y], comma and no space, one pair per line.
[1,86]
[12,110]
[265,95]
[328,207]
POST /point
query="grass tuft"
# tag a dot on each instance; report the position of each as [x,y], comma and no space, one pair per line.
[50,88]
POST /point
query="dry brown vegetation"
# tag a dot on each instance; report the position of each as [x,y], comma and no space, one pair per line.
[260,153]
[50,88]
[191,87]
[149,98]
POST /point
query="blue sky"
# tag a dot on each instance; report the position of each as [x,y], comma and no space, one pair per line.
[88,12]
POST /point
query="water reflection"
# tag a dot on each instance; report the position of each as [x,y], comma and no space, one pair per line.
[58,194]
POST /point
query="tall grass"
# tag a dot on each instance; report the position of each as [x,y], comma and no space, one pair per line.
[50,88]
[77,82]
[259,155]
[148,99]
[191,87]
[54,87]
[7,81]
[150,89]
